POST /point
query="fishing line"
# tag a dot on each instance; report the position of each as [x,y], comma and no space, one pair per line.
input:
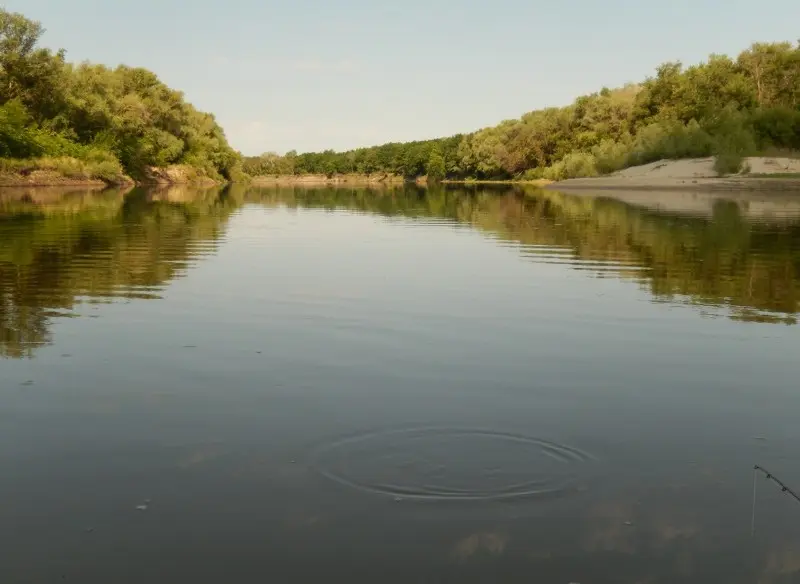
[770,477]
[755,482]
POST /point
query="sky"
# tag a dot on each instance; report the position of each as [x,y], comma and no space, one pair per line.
[316,74]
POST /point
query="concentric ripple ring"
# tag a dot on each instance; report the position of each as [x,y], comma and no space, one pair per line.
[452,464]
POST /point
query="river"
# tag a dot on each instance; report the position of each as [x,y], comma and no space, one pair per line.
[397,385]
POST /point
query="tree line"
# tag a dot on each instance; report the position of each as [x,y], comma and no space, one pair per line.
[95,120]
[723,107]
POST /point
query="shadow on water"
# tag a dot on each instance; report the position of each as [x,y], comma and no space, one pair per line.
[61,247]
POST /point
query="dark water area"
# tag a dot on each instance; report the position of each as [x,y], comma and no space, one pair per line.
[352,385]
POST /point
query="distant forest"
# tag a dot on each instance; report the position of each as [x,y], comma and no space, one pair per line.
[724,107]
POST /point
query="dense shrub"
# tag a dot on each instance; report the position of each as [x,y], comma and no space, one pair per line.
[728,163]
[671,140]
[611,156]
[574,165]
[777,126]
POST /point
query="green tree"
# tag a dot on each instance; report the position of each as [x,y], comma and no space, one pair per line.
[774,70]
[28,73]
[80,110]
[436,167]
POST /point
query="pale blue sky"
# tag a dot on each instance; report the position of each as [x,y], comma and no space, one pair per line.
[313,74]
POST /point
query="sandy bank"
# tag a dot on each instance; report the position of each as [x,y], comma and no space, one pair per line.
[695,174]
[321,179]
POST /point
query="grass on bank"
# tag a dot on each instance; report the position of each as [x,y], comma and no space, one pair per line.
[104,169]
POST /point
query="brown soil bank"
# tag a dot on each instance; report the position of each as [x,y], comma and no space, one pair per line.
[764,174]
[51,178]
[178,174]
[321,179]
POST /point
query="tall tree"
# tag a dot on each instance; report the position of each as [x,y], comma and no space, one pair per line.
[436,168]
[28,73]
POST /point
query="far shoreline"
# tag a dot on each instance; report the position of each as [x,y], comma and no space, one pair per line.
[765,174]
[694,174]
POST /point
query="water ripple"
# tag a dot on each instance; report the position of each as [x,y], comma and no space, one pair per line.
[453,464]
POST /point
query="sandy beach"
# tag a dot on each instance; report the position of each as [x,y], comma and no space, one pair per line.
[696,174]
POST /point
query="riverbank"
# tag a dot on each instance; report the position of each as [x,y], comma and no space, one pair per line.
[696,174]
[70,172]
[61,171]
[377,179]
[540,183]
[51,179]
[177,174]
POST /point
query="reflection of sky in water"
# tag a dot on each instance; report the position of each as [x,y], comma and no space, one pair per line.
[283,341]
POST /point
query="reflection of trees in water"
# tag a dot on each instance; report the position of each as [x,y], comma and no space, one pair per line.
[668,533]
[722,260]
[57,247]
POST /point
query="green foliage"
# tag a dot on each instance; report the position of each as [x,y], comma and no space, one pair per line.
[17,138]
[410,160]
[733,140]
[669,139]
[611,156]
[127,117]
[103,167]
[573,165]
[721,107]
[533,174]
[32,75]
[777,126]
[774,72]
[728,163]
[436,166]
[52,108]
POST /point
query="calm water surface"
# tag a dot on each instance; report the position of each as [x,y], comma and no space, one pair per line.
[343,385]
